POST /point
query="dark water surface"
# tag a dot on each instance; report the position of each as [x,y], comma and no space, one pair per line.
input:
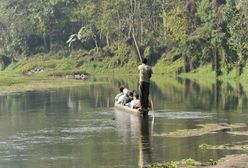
[79,127]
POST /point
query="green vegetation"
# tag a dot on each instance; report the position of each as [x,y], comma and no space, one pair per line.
[239,147]
[10,83]
[203,40]
[228,161]
[213,162]
[99,36]
[165,165]
[177,164]
[205,129]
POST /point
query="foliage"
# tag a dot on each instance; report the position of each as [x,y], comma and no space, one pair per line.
[176,24]
[183,163]
[203,32]
[213,162]
[204,146]
[166,165]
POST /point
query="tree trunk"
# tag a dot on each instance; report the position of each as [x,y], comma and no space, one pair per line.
[217,62]
[239,66]
[107,39]
[213,63]
[46,41]
[141,30]
[186,64]
[119,28]
[187,88]
[96,44]
[130,19]
[164,20]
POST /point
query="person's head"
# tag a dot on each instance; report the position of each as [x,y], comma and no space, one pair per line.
[144,61]
[121,89]
[130,94]
[125,91]
[136,95]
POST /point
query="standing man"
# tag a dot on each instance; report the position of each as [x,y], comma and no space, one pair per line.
[145,73]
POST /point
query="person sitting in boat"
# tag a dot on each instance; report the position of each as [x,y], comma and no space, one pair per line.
[128,98]
[122,97]
[119,94]
[135,103]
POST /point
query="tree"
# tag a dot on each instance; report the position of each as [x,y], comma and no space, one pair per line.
[211,18]
[238,29]
[176,29]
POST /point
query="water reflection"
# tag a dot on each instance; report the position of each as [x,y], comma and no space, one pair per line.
[189,94]
[145,142]
[139,128]
[217,96]
[79,125]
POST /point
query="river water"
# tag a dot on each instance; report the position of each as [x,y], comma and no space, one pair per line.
[79,127]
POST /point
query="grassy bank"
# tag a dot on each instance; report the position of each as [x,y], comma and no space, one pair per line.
[86,61]
[55,66]
[13,83]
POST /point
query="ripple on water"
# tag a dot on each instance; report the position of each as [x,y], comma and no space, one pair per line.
[12,157]
[182,115]
[25,138]
[59,158]
[85,129]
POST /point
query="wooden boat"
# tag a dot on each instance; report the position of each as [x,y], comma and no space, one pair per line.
[130,110]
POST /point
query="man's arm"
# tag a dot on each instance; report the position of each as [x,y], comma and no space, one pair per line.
[150,73]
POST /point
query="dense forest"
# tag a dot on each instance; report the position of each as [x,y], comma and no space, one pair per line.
[198,32]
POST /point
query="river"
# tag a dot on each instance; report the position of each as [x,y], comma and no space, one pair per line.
[79,127]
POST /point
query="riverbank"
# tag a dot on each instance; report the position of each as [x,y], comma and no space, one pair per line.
[16,83]
[179,88]
[226,162]
[50,71]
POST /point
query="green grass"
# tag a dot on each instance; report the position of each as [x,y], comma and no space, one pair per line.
[11,83]
[204,72]
[163,67]
[14,78]
[81,61]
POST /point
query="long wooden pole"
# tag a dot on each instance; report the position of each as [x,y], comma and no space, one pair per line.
[137,47]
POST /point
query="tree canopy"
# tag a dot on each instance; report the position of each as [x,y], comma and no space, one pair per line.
[201,31]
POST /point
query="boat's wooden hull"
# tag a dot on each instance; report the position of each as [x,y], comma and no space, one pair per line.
[130,110]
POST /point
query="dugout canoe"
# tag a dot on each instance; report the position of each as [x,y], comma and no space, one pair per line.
[126,109]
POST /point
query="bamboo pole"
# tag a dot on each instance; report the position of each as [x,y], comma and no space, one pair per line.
[137,47]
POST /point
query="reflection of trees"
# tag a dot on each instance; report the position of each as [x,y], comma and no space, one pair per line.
[156,93]
[217,92]
[37,110]
[178,93]
[164,90]
[233,98]
[69,99]
[48,104]
[190,95]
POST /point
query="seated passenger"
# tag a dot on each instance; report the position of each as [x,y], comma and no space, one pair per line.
[128,98]
[135,103]
[122,97]
[119,94]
